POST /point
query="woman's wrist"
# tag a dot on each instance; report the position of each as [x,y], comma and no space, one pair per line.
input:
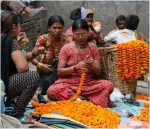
[74,68]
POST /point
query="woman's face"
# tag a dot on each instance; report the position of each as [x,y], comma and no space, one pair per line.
[56,29]
[81,36]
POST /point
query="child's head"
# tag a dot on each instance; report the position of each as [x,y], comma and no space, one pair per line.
[132,22]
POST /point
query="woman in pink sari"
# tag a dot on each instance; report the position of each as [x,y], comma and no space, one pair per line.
[72,58]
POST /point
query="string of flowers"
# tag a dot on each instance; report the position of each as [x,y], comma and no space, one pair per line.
[81,83]
[132,59]
[87,113]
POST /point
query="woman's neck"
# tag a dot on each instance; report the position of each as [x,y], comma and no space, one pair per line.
[82,46]
[55,40]
[12,34]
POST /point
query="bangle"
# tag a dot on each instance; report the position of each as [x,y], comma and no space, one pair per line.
[40,66]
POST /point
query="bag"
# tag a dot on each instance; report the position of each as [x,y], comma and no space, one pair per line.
[9,122]
[116,95]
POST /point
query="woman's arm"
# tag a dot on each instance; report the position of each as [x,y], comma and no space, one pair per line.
[40,66]
[62,71]
[34,53]
[35,61]
[19,61]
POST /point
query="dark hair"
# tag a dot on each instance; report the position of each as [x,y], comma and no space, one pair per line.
[75,14]
[8,19]
[80,23]
[132,22]
[55,18]
[120,18]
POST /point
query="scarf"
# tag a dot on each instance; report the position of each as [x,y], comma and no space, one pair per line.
[7,66]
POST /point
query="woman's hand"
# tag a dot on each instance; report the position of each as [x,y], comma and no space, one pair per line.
[22,38]
[47,69]
[44,68]
[89,61]
[37,51]
[80,65]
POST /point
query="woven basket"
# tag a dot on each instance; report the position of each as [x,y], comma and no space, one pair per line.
[110,70]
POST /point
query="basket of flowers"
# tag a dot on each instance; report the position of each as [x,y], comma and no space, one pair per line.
[125,63]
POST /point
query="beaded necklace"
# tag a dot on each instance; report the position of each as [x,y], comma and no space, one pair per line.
[80,52]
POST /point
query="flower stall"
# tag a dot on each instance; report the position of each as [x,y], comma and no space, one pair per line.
[123,64]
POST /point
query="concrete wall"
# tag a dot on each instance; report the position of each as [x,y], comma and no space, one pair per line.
[33,28]
[105,12]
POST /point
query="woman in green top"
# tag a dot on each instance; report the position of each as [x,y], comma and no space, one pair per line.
[53,41]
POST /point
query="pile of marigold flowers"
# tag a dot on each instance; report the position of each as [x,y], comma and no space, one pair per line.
[141,97]
[132,59]
[87,113]
[144,115]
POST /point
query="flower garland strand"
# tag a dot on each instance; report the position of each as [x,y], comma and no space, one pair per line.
[132,60]
[81,83]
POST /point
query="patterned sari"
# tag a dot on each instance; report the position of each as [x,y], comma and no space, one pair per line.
[51,52]
[97,91]
[49,57]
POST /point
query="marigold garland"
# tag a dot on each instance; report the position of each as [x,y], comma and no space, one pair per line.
[87,113]
[132,59]
[82,78]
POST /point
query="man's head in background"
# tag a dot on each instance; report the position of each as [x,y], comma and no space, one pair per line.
[120,22]
[89,16]
[132,22]
[75,14]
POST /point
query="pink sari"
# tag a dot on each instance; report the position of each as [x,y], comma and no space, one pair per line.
[97,91]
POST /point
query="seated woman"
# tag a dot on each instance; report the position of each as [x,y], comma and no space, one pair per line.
[19,81]
[72,58]
[52,42]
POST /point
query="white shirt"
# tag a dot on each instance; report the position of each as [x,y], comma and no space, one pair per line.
[121,36]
